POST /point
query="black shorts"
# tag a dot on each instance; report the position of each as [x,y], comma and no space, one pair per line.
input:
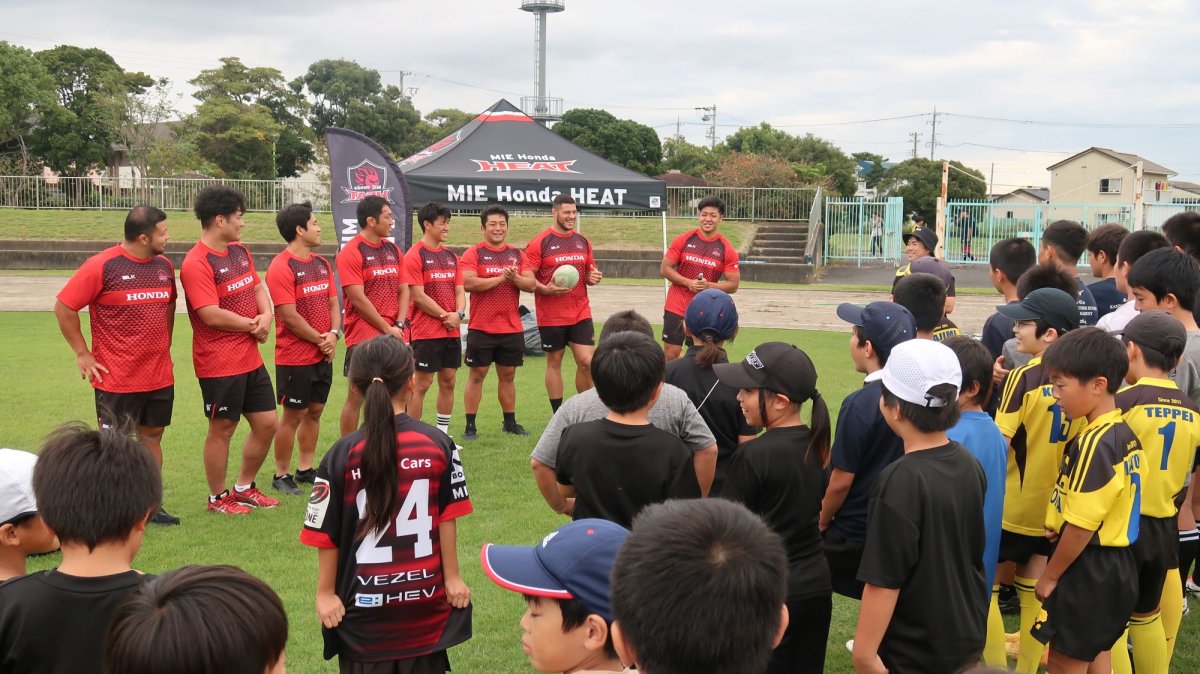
[1020,547]
[346,363]
[844,557]
[302,385]
[432,355]
[556,337]
[1155,552]
[151,409]
[673,330]
[485,348]
[1091,605]
[434,663]
[231,397]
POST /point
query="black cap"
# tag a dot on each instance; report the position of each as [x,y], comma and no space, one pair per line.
[1058,309]
[926,236]
[1158,331]
[775,366]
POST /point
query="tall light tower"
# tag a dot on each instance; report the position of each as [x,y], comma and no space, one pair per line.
[543,109]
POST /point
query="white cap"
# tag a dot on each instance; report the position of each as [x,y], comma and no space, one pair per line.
[16,484]
[916,366]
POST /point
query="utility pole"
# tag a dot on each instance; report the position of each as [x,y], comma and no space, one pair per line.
[1139,219]
[678,128]
[991,182]
[403,73]
[941,210]
[916,138]
[933,133]
[710,115]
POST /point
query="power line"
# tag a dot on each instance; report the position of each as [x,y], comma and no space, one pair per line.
[1097,125]
[1009,149]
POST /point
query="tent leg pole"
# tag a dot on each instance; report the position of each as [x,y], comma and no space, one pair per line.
[666,283]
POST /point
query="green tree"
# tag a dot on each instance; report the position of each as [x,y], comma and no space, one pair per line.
[441,123]
[346,95]
[737,169]
[694,160]
[817,161]
[236,137]
[919,182]
[26,98]
[621,141]
[142,123]
[871,176]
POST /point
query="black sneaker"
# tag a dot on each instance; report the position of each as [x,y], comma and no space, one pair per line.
[164,518]
[1007,598]
[306,476]
[515,429]
[286,484]
[470,433]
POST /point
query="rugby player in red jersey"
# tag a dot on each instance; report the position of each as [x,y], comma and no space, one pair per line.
[697,260]
[494,273]
[564,315]
[307,327]
[230,314]
[438,301]
[129,290]
[375,295]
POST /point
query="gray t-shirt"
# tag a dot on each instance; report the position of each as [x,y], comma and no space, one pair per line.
[672,412]
[1187,375]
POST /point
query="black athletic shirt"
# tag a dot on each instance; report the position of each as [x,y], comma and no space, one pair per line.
[925,538]
[773,476]
[1108,298]
[716,402]
[52,623]
[862,444]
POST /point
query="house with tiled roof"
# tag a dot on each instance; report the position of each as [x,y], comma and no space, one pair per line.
[1099,175]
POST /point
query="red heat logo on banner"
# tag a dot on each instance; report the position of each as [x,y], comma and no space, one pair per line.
[366,179]
[552,166]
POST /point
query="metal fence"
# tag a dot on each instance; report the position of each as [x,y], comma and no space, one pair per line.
[864,231]
[99,192]
[973,226]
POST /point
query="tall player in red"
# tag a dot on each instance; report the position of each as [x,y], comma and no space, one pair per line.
[495,273]
[369,269]
[129,290]
[564,315]
[438,302]
[696,261]
[307,327]
[230,315]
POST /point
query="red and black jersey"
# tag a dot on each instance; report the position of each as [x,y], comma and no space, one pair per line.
[391,582]
[436,270]
[227,280]
[696,256]
[549,251]
[495,311]
[129,303]
[375,267]
[308,284]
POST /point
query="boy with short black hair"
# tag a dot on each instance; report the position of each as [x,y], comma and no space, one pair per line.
[565,582]
[1037,431]
[924,295]
[1133,247]
[23,532]
[616,466]
[96,490]
[699,586]
[1009,259]
[924,606]
[1063,243]
[1102,246]
[1167,280]
[1089,587]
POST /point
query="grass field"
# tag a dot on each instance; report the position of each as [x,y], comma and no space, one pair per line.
[629,233]
[42,389]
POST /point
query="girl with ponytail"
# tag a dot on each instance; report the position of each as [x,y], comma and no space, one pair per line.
[382,515]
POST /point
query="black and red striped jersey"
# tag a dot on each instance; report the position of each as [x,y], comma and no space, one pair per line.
[695,256]
[308,284]
[549,251]
[495,311]
[228,280]
[375,267]
[436,270]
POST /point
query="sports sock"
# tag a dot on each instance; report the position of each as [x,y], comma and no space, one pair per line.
[555,403]
[1031,649]
[993,648]
[1119,655]
[242,487]
[443,423]
[1171,606]
[1149,644]
[213,498]
[1189,543]
[470,421]
[510,418]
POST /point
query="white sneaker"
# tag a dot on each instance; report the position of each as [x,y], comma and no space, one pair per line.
[850,646]
[1191,586]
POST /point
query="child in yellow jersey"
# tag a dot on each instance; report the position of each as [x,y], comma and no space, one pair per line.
[1167,424]
[1089,587]
[1037,430]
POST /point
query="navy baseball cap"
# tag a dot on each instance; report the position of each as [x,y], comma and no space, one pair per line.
[1058,309]
[713,311]
[572,562]
[886,323]
[926,236]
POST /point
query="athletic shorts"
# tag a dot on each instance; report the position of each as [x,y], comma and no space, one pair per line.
[151,409]
[434,663]
[231,397]
[485,348]
[1019,547]
[556,337]
[1089,608]
[844,557]
[301,385]
[1155,552]
[673,330]
[432,355]
[346,363]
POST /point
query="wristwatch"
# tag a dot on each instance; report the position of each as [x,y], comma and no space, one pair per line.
[462,315]
[337,333]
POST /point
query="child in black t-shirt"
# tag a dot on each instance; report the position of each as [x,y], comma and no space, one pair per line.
[615,466]
[924,606]
[780,476]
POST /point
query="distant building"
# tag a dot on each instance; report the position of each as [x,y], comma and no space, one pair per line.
[1183,193]
[1102,177]
[861,168]
[1020,203]
[676,178]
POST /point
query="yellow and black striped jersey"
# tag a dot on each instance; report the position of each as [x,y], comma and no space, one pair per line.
[1100,484]
[1166,424]
[1030,415]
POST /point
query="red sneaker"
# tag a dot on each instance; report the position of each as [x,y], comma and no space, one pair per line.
[226,505]
[254,498]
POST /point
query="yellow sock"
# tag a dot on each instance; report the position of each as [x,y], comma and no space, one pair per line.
[1031,649]
[1120,655]
[1172,609]
[1149,645]
[993,647]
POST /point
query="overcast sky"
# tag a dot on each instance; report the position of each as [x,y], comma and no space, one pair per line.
[1088,72]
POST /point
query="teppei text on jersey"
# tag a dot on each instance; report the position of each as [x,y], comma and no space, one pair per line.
[1169,413]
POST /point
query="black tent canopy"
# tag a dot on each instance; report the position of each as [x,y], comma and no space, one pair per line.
[504,156]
